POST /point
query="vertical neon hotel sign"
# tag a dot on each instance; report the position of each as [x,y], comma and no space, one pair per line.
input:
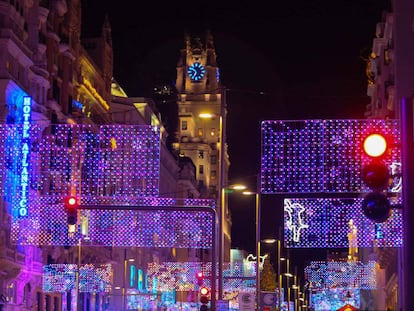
[25,150]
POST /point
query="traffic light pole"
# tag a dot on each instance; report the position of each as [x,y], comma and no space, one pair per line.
[407,138]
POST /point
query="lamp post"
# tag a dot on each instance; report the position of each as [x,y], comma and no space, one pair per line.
[279,279]
[258,214]
[295,288]
[221,199]
[288,276]
[223,111]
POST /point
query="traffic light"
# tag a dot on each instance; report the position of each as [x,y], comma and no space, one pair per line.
[204,298]
[71,208]
[375,175]
[200,278]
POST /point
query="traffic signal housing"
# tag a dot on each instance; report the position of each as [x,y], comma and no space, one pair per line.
[204,298]
[375,175]
[71,208]
[200,278]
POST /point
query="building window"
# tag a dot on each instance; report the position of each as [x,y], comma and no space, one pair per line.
[39,301]
[213,159]
[201,154]
[213,174]
[184,125]
[201,169]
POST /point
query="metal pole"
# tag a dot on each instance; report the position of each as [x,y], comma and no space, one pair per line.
[213,276]
[221,193]
[258,211]
[288,283]
[124,280]
[78,300]
[295,292]
[407,138]
[279,278]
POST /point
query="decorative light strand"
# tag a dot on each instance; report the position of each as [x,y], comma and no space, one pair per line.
[320,156]
[341,274]
[324,223]
[58,278]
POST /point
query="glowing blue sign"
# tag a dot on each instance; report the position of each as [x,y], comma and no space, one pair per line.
[17,142]
[25,151]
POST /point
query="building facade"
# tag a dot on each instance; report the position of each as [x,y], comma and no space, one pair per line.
[390,69]
[202,118]
[51,76]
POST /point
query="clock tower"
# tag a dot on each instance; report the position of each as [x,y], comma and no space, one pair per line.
[197,70]
[202,118]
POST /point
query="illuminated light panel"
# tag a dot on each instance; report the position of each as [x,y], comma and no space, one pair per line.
[334,299]
[177,275]
[141,222]
[181,276]
[113,165]
[83,157]
[174,278]
[95,278]
[295,222]
[59,278]
[341,274]
[143,300]
[324,223]
[314,156]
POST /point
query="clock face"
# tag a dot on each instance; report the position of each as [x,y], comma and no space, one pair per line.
[196,71]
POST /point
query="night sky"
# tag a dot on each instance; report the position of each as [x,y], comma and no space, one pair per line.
[304,59]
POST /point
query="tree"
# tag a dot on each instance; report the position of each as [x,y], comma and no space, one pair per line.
[268,277]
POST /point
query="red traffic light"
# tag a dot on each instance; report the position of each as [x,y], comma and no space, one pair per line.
[204,298]
[200,277]
[71,202]
[375,171]
[375,145]
[71,208]
[204,291]
[375,174]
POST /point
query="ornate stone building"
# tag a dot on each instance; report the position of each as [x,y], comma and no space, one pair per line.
[69,80]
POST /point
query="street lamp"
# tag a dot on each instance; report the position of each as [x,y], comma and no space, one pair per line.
[288,275]
[258,212]
[279,280]
[279,259]
[278,275]
[221,196]
[296,289]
